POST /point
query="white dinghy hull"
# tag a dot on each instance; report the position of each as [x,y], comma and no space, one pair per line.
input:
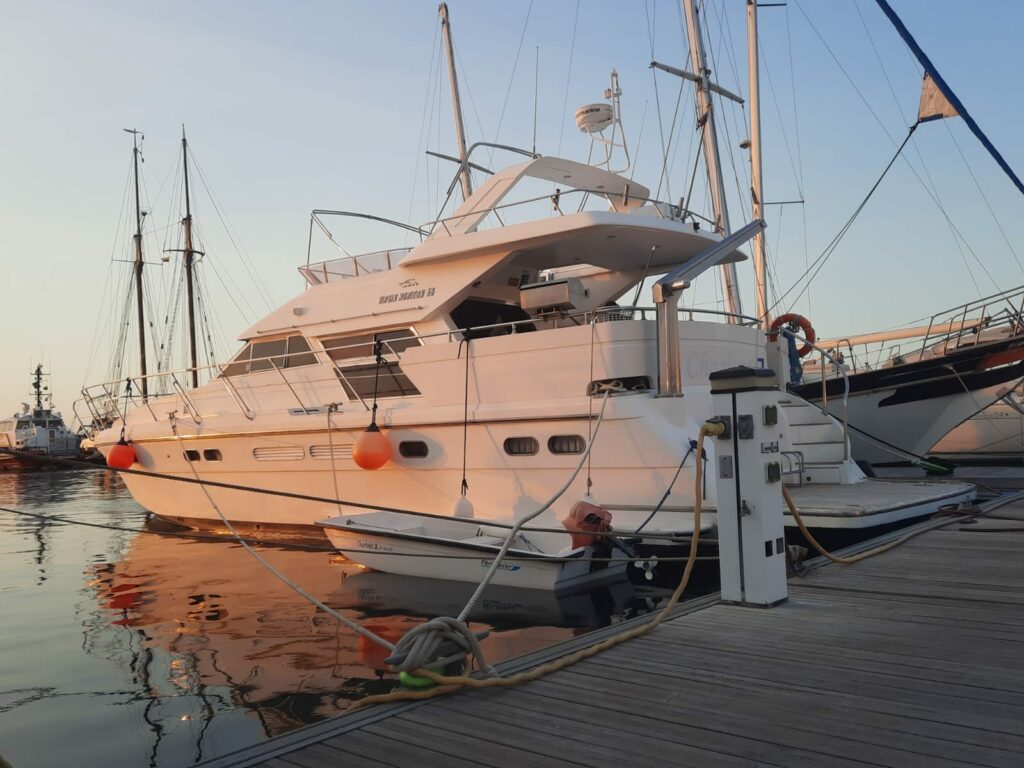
[445,549]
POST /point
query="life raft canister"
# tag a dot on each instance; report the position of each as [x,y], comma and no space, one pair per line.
[595,520]
[790,319]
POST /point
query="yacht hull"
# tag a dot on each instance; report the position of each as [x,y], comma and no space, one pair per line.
[907,409]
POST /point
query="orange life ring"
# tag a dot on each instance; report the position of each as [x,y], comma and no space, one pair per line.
[790,319]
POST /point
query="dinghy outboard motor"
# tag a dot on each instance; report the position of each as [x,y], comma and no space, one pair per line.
[591,527]
[594,519]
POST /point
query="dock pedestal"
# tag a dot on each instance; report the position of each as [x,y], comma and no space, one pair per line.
[751,538]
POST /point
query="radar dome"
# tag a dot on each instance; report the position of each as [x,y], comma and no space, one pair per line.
[594,118]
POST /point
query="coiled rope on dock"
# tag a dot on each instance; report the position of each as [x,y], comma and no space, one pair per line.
[449,684]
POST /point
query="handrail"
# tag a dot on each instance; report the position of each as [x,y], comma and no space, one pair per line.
[186,401]
[284,378]
[846,386]
[317,212]
[236,396]
[678,214]
[451,334]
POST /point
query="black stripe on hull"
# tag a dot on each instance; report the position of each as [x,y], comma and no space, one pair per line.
[959,371]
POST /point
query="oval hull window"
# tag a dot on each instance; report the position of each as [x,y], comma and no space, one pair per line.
[521,446]
[567,444]
[413,449]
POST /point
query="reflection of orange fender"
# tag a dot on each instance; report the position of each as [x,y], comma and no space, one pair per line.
[791,319]
[373,654]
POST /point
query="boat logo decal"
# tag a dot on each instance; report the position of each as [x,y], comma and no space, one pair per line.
[412,282]
[373,545]
[406,295]
[501,566]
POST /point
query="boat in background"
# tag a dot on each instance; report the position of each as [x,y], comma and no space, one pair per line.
[995,434]
[898,407]
[38,432]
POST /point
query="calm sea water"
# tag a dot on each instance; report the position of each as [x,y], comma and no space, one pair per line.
[134,648]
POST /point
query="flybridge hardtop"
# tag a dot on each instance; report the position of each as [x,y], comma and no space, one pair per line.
[610,249]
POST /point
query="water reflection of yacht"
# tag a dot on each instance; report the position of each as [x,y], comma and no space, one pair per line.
[205,621]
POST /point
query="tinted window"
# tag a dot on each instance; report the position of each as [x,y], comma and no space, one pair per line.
[354,347]
[566,444]
[192,455]
[521,446]
[263,352]
[358,381]
[298,352]
[211,454]
[240,362]
[413,449]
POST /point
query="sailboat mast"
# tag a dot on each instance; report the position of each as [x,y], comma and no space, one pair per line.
[138,267]
[189,261]
[760,267]
[460,130]
[712,159]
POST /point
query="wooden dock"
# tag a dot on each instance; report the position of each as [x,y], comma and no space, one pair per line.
[911,658]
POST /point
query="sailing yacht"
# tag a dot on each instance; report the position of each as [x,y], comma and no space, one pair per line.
[497,362]
[962,362]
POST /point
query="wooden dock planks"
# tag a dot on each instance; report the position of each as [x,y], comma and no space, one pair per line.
[913,658]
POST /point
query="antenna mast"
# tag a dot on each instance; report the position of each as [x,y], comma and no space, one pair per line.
[760,270]
[460,131]
[37,386]
[189,259]
[138,264]
[706,118]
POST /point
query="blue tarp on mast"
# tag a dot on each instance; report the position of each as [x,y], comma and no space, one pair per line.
[947,91]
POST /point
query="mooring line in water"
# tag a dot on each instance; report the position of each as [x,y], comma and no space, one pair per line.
[278,543]
[680,538]
[449,684]
[175,534]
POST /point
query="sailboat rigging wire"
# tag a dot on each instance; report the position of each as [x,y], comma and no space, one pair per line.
[229,230]
[511,79]
[947,92]
[984,197]
[568,77]
[957,236]
[910,165]
[434,48]
[834,243]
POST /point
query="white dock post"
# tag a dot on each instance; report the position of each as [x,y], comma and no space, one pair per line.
[751,537]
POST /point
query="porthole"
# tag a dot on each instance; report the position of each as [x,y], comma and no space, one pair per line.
[567,444]
[413,449]
[211,454]
[191,455]
[521,446]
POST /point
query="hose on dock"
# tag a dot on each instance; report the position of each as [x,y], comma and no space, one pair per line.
[449,684]
[856,558]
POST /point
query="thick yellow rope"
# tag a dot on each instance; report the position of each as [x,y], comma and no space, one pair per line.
[448,684]
[851,559]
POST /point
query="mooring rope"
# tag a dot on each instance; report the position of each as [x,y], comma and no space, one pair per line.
[450,684]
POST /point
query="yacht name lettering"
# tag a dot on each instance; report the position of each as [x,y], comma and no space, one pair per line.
[406,295]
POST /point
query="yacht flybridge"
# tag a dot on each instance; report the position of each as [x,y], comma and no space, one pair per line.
[491,356]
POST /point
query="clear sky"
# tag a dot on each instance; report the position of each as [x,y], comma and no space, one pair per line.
[295,106]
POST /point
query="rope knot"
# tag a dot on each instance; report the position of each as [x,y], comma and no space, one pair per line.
[439,641]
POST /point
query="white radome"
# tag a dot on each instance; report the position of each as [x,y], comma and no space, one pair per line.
[594,118]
